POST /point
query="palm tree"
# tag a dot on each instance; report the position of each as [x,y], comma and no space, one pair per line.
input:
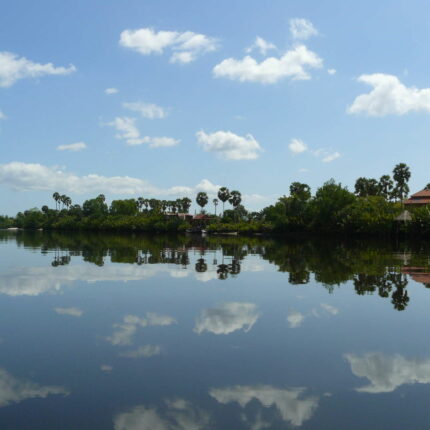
[179,205]
[223,195]
[202,199]
[56,197]
[385,186]
[140,201]
[63,198]
[234,200]
[67,202]
[401,175]
[215,202]
[186,203]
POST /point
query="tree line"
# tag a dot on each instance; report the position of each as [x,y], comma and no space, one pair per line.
[370,209]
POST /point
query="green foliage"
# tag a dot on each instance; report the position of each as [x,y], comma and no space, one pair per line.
[128,207]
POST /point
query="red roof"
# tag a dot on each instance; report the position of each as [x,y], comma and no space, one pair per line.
[422,193]
[420,198]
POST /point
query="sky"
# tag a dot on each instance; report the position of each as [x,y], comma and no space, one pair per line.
[163,99]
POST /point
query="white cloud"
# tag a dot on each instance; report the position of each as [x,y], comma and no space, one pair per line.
[73,312]
[124,332]
[261,45]
[147,110]
[227,318]
[2,115]
[293,64]
[386,373]
[145,351]
[14,390]
[229,145]
[110,91]
[290,403]
[186,46]
[301,28]
[127,130]
[331,157]
[331,71]
[295,319]
[14,68]
[389,97]
[37,177]
[179,415]
[330,309]
[297,146]
[74,147]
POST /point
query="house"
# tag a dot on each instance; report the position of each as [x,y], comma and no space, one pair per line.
[421,198]
[183,216]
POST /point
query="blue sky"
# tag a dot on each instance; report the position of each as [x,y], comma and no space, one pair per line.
[331,89]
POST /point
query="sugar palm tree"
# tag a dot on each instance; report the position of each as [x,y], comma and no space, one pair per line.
[215,202]
[223,195]
[202,199]
[235,199]
[56,197]
[186,203]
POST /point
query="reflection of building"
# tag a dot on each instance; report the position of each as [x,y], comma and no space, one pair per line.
[418,274]
[421,198]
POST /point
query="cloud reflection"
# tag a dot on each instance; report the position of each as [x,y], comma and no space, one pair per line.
[145,351]
[124,332]
[293,406]
[388,372]
[227,318]
[13,390]
[177,415]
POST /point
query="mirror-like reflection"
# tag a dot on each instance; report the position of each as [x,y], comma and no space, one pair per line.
[132,332]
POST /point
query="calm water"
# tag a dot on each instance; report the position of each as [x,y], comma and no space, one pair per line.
[136,333]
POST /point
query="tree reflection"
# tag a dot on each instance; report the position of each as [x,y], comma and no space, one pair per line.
[376,268]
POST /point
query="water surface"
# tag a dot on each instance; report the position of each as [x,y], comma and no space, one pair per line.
[135,333]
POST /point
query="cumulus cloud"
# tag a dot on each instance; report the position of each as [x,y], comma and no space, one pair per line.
[13,390]
[37,177]
[294,64]
[145,351]
[73,312]
[388,372]
[124,332]
[147,110]
[229,146]
[292,405]
[331,157]
[14,68]
[186,46]
[331,71]
[389,97]
[73,147]
[261,45]
[178,415]
[127,130]
[297,146]
[227,318]
[110,91]
[301,28]
[295,319]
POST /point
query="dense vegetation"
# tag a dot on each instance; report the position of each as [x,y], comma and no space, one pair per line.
[371,209]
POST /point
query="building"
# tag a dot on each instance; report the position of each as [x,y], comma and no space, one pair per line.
[421,198]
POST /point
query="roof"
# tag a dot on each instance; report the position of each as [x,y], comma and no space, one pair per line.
[421,194]
[417,201]
[201,216]
[418,274]
[404,216]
